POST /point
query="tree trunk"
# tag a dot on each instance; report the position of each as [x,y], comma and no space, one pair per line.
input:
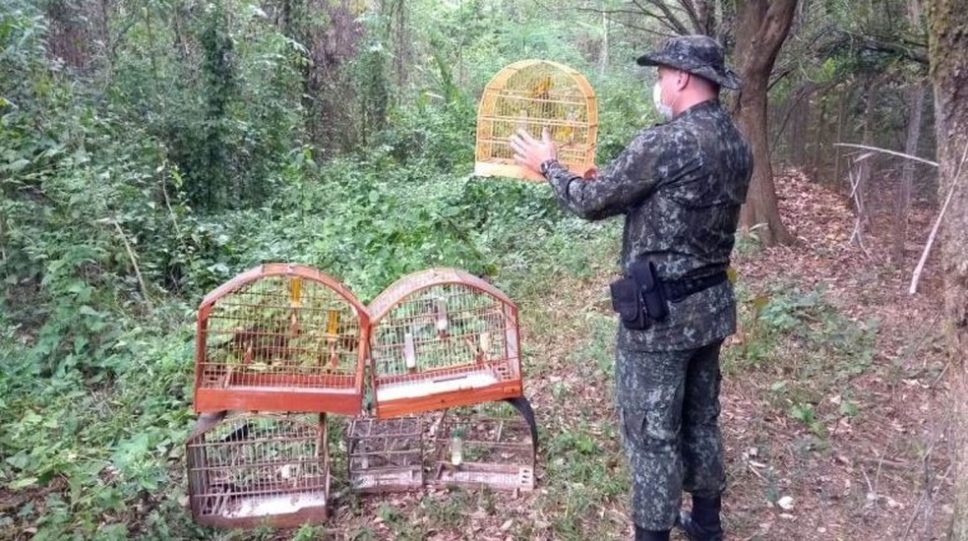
[841,117]
[799,121]
[916,104]
[820,143]
[402,36]
[865,165]
[603,52]
[68,37]
[761,29]
[948,41]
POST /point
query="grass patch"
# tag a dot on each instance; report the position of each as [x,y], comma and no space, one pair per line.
[809,348]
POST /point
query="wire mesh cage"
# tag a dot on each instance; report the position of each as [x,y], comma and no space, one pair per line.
[531,95]
[251,470]
[281,337]
[386,455]
[442,338]
[476,449]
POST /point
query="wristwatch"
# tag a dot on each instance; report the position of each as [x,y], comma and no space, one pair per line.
[545,165]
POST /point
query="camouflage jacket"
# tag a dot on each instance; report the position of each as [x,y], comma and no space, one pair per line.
[680,186]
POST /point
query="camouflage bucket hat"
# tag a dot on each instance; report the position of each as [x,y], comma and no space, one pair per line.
[699,55]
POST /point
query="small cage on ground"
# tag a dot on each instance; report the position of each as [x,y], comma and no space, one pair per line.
[253,470]
[476,449]
[280,337]
[531,95]
[442,338]
[386,455]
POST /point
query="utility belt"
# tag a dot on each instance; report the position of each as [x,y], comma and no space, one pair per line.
[641,299]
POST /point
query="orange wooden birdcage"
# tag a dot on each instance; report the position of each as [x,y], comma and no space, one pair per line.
[281,337]
[252,470]
[442,338]
[532,95]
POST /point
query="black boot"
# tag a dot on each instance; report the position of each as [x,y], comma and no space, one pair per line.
[651,535]
[702,524]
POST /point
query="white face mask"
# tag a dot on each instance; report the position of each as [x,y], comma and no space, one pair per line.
[665,111]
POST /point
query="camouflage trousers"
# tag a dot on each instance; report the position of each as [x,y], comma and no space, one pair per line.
[668,406]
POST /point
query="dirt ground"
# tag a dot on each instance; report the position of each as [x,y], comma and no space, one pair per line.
[885,472]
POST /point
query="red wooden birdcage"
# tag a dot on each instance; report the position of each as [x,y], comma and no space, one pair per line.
[253,470]
[281,337]
[442,338]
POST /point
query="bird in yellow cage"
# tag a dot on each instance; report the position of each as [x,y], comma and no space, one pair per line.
[542,90]
[542,107]
[545,107]
[565,135]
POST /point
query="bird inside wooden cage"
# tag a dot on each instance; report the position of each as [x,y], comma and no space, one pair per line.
[566,134]
[485,345]
[258,343]
[542,89]
[293,324]
[479,347]
[289,474]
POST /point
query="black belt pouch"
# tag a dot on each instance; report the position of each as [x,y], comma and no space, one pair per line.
[627,301]
[653,295]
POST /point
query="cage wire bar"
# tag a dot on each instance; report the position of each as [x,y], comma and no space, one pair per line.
[442,338]
[281,337]
[531,95]
[385,455]
[251,470]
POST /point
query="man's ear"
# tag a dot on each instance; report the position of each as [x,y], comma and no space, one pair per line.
[683,80]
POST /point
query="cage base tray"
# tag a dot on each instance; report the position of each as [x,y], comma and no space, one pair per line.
[277,399]
[444,384]
[498,477]
[402,479]
[509,170]
[275,510]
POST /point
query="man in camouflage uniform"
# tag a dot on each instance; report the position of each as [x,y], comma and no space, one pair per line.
[680,186]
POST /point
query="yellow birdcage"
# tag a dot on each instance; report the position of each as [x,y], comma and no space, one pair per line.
[532,95]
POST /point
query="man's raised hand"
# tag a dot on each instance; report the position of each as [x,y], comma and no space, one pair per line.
[530,152]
